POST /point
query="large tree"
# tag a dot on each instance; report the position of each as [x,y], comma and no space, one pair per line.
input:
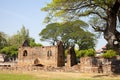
[75,32]
[106,12]
[13,43]
[50,33]
[70,33]
[10,45]
[18,38]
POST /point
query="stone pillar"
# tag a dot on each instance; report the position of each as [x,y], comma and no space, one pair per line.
[60,54]
[71,57]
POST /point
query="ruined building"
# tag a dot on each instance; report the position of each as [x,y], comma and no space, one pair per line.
[44,55]
[54,56]
[71,57]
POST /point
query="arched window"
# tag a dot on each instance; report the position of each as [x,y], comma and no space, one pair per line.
[49,53]
[25,53]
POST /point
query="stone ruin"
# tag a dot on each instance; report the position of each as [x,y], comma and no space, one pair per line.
[71,57]
[51,58]
[100,65]
[42,56]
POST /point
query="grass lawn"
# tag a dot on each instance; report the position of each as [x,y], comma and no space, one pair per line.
[16,76]
[35,75]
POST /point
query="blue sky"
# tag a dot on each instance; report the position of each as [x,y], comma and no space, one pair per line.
[15,13]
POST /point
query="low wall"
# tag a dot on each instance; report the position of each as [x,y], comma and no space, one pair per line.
[99,65]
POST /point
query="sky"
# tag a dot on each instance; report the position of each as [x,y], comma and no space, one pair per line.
[16,13]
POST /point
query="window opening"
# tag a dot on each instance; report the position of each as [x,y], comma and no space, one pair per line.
[25,53]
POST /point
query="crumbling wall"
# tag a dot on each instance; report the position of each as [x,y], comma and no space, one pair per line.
[45,55]
[54,56]
[88,65]
[60,54]
[99,65]
[71,57]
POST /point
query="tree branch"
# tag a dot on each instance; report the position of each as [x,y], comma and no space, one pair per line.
[116,7]
[99,15]
[91,12]
[97,28]
[84,5]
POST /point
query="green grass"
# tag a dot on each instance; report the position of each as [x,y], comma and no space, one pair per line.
[13,76]
[52,76]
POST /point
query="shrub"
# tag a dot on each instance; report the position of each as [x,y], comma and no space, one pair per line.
[90,52]
[109,54]
[10,51]
[83,53]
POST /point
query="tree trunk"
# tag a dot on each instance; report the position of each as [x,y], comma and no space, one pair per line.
[111,34]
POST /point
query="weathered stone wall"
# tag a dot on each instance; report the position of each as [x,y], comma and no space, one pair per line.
[53,56]
[71,57]
[45,55]
[99,65]
[88,64]
[60,54]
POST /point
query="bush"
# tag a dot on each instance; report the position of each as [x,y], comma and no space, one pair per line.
[84,53]
[90,52]
[9,51]
[109,54]
[81,53]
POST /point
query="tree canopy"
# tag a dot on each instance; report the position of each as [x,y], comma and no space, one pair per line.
[3,40]
[50,33]
[104,16]
[10,45]
[70,33]
[18,38]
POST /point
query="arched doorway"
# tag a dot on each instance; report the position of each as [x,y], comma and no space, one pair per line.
[37,62]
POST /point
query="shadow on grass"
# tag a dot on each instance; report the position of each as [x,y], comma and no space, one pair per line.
[98,76]
[106,75]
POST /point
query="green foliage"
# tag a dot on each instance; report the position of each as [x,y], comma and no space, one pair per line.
[73,9]
[86,40]
[84,53]
[3,41]
[33,44]
[19,38]
[66,51]
[109,54]
[90,52]
[100,13]
[14,42]
[10,51]
[80,53]
[70,33]
[50,33]
[17,76]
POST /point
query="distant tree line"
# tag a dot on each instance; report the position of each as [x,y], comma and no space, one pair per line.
[9,44]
